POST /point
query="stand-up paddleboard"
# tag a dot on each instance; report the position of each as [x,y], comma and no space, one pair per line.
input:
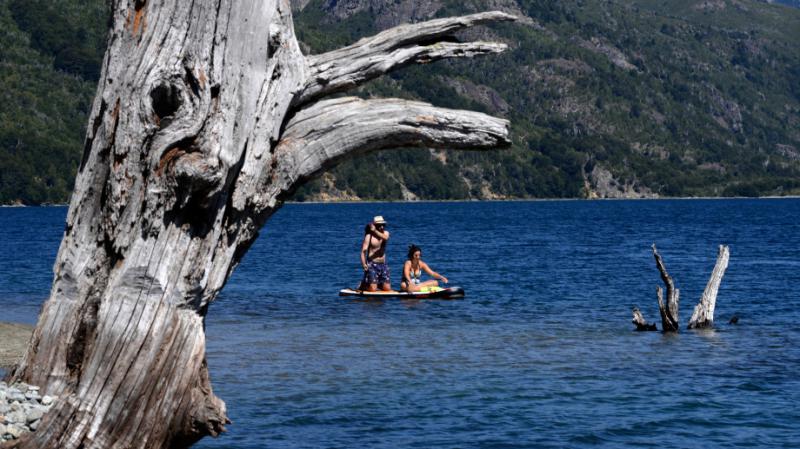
[428,293]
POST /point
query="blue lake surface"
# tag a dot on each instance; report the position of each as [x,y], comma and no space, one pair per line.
[540,353]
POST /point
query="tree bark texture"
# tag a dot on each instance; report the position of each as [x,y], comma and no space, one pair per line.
[668,310]
[207,116]
[703,315]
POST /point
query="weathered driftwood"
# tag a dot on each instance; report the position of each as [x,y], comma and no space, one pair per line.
[669,311]
[640,322]
[207,116]
[703,315]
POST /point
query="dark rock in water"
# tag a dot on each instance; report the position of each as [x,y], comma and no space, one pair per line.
[647,327]
[641,323]
[734,320]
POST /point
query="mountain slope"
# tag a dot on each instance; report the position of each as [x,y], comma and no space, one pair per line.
[794,3]
[609,98]
[49,62]
[606,98]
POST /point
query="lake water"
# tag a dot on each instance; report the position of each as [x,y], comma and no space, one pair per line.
[540,353]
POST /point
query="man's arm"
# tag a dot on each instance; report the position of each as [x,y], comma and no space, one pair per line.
[381,235]
[364,250]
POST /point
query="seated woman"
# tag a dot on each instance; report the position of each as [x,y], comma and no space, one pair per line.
[412,272]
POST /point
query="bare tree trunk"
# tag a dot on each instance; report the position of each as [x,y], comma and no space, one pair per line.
[206,118]
[703,315]
[669,311]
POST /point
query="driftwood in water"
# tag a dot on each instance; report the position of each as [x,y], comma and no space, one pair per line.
[207,116]
[668,310]
[641,323]
[703,315]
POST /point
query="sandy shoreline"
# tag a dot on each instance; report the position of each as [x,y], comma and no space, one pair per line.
[13,341]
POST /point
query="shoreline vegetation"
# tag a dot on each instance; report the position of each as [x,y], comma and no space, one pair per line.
[492,200]
[536,200]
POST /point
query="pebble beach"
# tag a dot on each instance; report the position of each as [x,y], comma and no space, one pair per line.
[21,405]
[21,409]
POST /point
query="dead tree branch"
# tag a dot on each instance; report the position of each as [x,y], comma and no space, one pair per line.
[320,135]
[669,311]
[703,315]
[372,57]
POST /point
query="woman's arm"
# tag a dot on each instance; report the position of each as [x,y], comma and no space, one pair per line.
[407,270]
[432,273]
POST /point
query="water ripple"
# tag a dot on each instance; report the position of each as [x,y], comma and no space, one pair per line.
[540,353]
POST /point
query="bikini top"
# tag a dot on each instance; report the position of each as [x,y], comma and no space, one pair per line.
[415,276]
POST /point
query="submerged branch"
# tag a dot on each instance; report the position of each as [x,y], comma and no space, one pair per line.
[669,311]
[640,322]
[703,315]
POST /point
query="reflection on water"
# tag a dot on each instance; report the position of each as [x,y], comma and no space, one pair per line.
[539,353]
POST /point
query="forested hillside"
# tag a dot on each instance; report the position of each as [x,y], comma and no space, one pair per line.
[620,98]
[50,54]
[606,98]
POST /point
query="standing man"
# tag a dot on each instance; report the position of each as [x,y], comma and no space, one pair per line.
[373,256]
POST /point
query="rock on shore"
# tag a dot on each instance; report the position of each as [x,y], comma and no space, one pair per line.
[21,405]
[21,409]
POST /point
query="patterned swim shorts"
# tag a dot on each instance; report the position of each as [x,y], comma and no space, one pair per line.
[377,273]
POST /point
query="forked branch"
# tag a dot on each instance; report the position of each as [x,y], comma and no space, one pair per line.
[669,311]
[374,56]
[322,134]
